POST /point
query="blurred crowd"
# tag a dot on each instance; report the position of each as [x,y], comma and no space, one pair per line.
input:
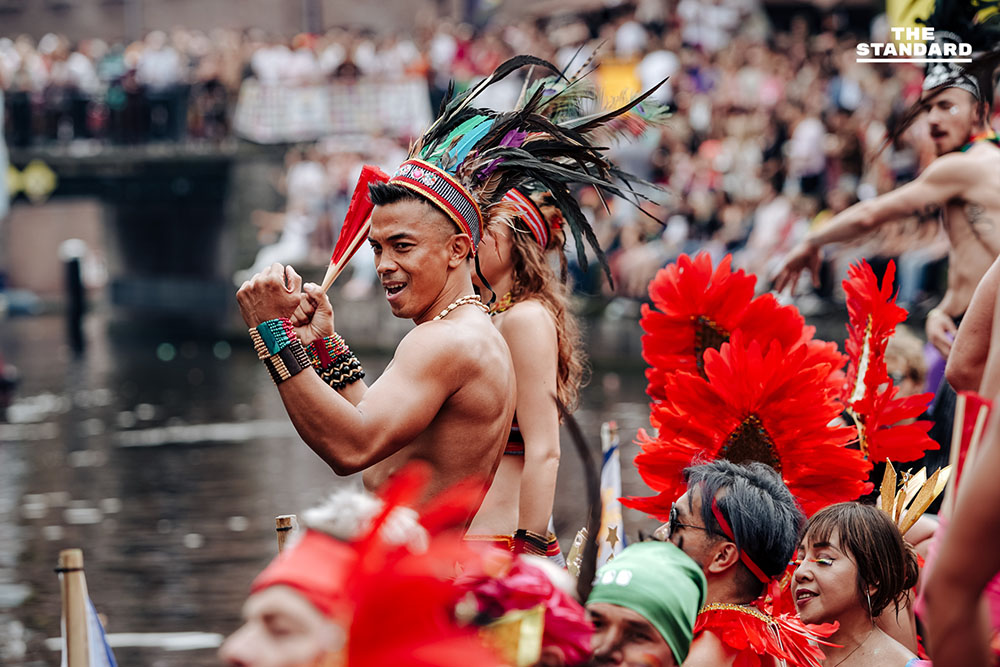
[773,130]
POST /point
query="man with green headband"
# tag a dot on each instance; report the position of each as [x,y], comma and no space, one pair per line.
[643,606]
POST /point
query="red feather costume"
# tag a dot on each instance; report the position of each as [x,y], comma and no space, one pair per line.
[761,639]
[396,603]
[871,397]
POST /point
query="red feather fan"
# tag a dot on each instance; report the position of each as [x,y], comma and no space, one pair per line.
[741,378]
[871,397]
[697,309]
[357,222]
[755,404]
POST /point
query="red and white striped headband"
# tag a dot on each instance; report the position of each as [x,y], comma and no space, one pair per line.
[530,214]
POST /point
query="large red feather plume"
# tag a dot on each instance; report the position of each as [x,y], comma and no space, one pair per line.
[697,309]
[870,396]
[755,403]
[357,222]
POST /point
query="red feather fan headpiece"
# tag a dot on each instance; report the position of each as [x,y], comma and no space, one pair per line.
[398,603]
[870,396]
[754,404]
[697,309]
[740,378]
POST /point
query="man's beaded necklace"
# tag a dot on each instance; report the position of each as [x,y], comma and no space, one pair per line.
[468,299]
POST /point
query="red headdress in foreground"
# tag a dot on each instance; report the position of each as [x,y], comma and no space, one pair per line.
[870,396]
[771,405]
[397,603]
[697,309]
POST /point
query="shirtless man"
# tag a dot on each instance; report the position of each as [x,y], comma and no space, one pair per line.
[962,187]
[448,395]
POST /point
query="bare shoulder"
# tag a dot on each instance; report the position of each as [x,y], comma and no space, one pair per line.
[458,343]
[888,651]
[956,167]
[527,318]
[707,650]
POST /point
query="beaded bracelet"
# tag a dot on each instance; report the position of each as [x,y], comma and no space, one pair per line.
[289,361]
[334,362]
[323,351]
[528,542]
[271,336]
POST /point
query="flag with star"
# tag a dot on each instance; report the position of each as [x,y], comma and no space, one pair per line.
[611,539]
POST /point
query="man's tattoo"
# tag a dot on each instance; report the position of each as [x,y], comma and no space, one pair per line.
[978,220]
[928,212]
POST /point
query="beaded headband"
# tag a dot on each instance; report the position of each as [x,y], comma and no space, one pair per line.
[949,74]
[441,188]
[532,217]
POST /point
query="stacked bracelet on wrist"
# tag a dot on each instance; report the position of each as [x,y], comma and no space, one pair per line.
[334,362]
[528,542]
[279,348]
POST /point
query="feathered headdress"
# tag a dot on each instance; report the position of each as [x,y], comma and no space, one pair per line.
[870,395]
[756,402]
[470,158]
[915,494]
[372,581]
[696,309]
[973,22]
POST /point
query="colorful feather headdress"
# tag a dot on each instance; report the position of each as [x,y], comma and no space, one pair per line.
[740,378]
[870,396]
[470,158]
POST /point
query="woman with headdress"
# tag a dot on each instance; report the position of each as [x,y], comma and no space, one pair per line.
[852,566]
[533,316]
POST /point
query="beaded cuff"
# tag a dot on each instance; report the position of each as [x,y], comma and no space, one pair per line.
[273,335]
[334,362]
[292,359]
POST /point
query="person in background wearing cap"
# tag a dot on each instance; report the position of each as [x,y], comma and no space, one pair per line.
[644,605]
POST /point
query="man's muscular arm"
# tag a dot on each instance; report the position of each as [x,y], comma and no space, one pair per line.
[925,196]
[394,410]
[958,631]
[973,344]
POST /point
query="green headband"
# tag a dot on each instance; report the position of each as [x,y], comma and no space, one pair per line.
[658,581]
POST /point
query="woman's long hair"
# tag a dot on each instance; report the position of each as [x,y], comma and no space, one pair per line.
[534,278]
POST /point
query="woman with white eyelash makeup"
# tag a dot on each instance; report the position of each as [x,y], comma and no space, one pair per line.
[852,566]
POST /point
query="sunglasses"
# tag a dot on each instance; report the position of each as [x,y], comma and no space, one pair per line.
[674,523]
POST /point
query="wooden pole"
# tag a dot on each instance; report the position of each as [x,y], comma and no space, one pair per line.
[74,608]
[284,525]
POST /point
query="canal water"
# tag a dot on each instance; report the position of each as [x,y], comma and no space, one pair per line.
[166,460]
